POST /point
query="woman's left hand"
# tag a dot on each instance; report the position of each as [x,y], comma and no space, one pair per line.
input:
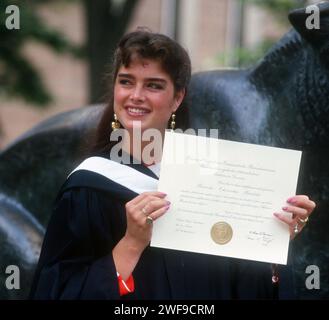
[301,207]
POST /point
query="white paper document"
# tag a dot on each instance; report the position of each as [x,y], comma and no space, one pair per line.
[223,195]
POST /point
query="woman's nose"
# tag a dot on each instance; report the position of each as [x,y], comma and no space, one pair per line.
[137,94]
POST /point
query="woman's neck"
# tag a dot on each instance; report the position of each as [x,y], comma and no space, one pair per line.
[147,152]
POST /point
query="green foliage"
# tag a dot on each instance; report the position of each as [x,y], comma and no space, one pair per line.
[280,8]
[18,76]
[246,57]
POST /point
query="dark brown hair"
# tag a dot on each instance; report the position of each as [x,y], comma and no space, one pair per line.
[145,45]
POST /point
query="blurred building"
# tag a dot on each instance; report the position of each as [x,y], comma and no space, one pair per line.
[209,29]
[64,76]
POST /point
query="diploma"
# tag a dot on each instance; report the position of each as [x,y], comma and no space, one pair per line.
[223,195]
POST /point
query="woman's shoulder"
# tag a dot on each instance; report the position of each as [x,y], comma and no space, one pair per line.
[92,174]
[84,179]
[86,171]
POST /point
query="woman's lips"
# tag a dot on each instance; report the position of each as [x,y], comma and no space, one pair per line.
[136,111]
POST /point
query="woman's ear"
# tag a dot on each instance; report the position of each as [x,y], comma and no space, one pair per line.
[179,96]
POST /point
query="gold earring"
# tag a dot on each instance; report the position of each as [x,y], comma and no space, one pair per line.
[115,123]
[173,123]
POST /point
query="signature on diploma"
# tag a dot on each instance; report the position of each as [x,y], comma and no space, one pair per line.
[260,236]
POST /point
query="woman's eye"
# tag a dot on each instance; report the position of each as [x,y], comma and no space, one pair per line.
[155,86]
[124,81]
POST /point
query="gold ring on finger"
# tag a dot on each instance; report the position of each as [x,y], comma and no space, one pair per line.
[149,220]
[303,221]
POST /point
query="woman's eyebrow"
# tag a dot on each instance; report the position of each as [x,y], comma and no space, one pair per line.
[130,76]
[125,75]
[157,79]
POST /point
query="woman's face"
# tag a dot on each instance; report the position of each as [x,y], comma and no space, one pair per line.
[144,93]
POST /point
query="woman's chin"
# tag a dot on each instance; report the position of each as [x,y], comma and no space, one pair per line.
[134,125]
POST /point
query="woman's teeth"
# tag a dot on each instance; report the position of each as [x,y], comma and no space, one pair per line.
[137,111]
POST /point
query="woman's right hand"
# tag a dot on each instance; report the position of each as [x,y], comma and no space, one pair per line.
[147,204]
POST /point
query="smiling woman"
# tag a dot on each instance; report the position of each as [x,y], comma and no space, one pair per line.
[147,86]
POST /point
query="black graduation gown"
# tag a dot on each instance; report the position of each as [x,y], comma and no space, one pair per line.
[87,222]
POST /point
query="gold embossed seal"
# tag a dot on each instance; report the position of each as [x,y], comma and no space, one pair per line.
[221,232]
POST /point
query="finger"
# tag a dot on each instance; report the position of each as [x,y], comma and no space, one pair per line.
[155,193]
[303,202]
[148,194]
[299,197]
[148,206]
[144,201]
[143,195]
[289,221]
[158,213]
[309,205]
[297,211]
